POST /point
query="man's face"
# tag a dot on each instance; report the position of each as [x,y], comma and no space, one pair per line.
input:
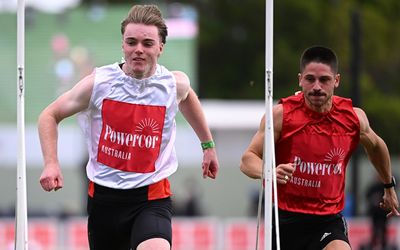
[318,83]
[141,46]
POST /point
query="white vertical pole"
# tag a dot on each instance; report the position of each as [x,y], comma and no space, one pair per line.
[269,143]
[21,214]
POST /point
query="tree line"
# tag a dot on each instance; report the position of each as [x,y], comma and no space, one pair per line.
[231,51]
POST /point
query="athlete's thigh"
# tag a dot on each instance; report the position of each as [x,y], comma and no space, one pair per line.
[154,243]
[291,237]
[153,222]
[108,227]
[337,245]
[332,235]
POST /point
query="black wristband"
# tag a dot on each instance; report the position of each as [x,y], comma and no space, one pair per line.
[392,184]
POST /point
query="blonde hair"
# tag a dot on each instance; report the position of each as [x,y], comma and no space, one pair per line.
[148,15]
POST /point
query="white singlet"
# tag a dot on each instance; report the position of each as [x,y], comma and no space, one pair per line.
[130,128]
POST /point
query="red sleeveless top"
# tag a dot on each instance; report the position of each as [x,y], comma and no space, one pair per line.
[320,146]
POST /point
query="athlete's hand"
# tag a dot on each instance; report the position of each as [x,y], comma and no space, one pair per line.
[390,202]
[210,163]
[284,173]
[51,178]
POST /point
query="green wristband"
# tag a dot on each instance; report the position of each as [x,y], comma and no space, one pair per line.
[207,144]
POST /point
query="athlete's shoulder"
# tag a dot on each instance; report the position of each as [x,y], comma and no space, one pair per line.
[182,85]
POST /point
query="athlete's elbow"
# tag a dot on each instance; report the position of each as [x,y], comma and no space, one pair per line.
[246,168]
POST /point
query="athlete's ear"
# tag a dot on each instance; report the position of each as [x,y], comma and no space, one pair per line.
[299,77]
[337,80]
[161,49]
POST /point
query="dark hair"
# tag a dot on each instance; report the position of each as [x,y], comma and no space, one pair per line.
[148,15]
[319,54]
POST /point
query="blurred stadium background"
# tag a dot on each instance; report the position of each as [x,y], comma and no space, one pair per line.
[63,44]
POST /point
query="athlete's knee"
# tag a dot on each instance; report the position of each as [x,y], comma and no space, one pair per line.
[154,244]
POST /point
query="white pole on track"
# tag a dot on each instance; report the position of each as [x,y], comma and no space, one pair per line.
[269,143]
[21,214]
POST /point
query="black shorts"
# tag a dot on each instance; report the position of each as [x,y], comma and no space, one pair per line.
[309,232]
[122,219]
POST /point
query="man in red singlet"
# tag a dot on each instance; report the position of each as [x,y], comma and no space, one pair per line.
[315,134]
[128,117]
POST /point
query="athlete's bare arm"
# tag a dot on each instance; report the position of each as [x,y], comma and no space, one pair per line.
[378,154]
[251,163]
[182,85]
[278,120]
[252,160]
[190,107]
[69,103]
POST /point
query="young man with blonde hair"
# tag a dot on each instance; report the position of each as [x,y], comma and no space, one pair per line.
[127,112]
